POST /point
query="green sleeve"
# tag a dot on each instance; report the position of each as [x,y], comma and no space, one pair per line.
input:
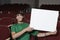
[34,33]
[13,28]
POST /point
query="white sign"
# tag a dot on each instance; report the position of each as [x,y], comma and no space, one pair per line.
[44,20]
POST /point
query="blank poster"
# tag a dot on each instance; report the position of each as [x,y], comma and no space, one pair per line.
[44,20]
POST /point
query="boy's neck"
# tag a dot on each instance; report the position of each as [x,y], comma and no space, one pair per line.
[20,22]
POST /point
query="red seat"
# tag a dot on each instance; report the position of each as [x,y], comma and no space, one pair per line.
[6,20]
[4,33]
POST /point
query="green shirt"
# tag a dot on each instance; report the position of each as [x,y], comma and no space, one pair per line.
[19,27]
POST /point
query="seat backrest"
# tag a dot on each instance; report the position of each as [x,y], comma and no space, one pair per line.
[4,32]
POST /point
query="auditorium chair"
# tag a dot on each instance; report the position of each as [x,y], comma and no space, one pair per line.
[52,7]
[7,18]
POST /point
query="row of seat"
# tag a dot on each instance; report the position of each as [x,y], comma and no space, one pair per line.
[7,17]
[15,7]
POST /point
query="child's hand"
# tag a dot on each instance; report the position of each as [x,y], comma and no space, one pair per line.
[10,25]
[8,39]
[41,35]
[28,29]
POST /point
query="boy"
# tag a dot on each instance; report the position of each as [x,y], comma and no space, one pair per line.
[22,31]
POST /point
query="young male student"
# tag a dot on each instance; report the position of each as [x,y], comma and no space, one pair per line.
[22,31]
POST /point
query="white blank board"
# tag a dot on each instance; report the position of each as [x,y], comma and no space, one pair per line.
[44,20]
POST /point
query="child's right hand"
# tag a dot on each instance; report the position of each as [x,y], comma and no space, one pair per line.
[10,25]
[29,29]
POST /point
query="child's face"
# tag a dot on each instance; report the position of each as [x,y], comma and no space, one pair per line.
[19,17]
